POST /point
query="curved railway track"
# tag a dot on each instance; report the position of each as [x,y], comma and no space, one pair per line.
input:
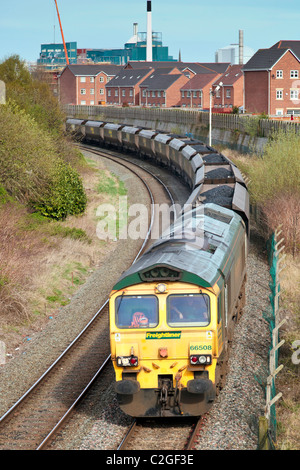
[34,419]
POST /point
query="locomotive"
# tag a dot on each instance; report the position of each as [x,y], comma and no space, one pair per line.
[173,312]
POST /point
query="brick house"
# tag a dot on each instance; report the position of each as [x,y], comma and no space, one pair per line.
[272,80]
[195,93]
[231,92]
[124,88]
[85,84]
[162,88]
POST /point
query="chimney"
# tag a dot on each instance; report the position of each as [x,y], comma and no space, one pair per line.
[149,32]
[241,47]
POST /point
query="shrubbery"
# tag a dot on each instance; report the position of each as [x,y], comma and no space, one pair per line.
[31,170]
[275,187]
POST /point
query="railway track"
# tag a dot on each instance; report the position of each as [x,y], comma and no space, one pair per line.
[37,416]
[169,435]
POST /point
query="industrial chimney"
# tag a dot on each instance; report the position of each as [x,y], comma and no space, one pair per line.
[149,32]
[241,47]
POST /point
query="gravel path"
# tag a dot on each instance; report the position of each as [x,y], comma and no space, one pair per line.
[231,424]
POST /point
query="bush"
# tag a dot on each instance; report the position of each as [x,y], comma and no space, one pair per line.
[65,195]
[32,171]
[278,171]
[275,188]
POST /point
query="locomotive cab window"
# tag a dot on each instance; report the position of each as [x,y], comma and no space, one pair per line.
[136,311]
[188,310]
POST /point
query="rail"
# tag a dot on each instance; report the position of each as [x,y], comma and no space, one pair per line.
[244,124]
[268,422]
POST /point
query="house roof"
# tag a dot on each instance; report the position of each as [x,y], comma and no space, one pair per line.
[264,59]
[231,75]
[199,81]
[127,77]
[196,67]
[160,81]
[292,45]
[219,67]
[93,69]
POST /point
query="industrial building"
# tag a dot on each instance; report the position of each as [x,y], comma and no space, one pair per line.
[142,46]
[235,53]
[53,55]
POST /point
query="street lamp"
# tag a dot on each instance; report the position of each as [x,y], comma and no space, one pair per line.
[211,94]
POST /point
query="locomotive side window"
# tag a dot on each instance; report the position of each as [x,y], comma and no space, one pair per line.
[188,310]
[136,311]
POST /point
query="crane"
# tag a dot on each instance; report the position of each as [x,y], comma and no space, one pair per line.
[62,34]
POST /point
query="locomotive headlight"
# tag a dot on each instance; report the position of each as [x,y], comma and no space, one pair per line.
[161,288]
[203,359]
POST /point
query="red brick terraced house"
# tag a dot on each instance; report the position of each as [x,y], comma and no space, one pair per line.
[195,93]
[124,88]
[231,91]
[272,80]
[162,88]
[85,84]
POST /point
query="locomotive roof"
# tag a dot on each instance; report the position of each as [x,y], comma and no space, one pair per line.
[197,249]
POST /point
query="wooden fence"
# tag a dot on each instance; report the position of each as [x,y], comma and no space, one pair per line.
[245,124]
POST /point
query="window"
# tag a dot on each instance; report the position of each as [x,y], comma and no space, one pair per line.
[144,93]
[188,94]
[123,92]
[82,91]
[83,102]
[228,93]
[218,94]
[279,94]
[102,92]
[294,94]
[92,91]
[294,74]
[82,79]
[279,112]
[158,94]
[279,73]
[182,94]
[92,79]
[131,92]
[153,94]
[92,103]
[188,310]
[116,93]
[195,94]
[136,311]
[109,93]
[101,79]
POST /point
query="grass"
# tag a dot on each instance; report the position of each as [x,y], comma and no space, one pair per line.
[110,185]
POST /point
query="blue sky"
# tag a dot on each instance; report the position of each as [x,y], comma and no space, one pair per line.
[197,27]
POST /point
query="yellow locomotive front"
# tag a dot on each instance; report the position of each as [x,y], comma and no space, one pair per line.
[165,339]
[172,314]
